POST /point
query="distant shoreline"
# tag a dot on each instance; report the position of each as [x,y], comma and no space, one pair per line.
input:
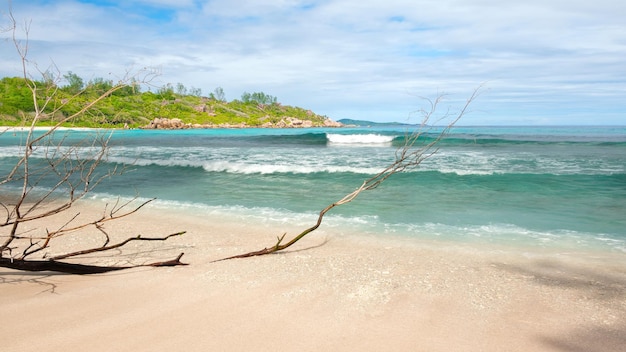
[203,127]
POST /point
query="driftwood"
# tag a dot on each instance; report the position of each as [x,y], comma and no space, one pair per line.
[76,268]
[412,153]
[52,173]
[30,245]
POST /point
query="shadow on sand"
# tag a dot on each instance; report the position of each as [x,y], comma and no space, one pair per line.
[604,288]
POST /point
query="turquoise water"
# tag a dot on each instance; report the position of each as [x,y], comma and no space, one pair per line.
[532,186]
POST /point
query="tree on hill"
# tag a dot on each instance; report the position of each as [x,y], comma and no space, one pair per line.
[259,98]
[218,94]
[75,83]
[99,85]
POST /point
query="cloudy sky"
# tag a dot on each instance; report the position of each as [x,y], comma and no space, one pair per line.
[541,62]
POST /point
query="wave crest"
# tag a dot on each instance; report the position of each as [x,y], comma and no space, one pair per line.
[268,168]
[359,139]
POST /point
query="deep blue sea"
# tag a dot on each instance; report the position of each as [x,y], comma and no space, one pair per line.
[562,187]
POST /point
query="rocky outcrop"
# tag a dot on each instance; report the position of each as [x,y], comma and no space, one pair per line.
[167,124]
[290,122]
[331,123]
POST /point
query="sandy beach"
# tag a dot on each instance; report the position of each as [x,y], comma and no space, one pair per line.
[331,292]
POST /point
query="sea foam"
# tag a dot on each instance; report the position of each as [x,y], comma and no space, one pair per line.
[359,139]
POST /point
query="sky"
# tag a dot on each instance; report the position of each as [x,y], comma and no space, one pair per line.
[536,62]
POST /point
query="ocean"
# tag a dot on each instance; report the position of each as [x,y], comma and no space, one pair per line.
[545,187]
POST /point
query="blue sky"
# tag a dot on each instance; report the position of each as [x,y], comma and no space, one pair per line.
[542,62]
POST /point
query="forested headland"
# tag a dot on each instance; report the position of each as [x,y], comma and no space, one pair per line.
[132,106]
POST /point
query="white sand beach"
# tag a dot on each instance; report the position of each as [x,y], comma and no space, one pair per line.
[331,292]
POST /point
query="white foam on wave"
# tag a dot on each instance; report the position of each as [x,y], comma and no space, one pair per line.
[50,152]
[359,139]
[270,168]
[354,160]
[509,234]
[251,161]
[463,162]
[493,233]
[460,172]
[12,151]
[266,215]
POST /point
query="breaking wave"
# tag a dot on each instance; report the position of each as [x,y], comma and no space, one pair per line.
[359,139]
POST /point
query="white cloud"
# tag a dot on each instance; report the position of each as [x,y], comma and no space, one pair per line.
[549,61]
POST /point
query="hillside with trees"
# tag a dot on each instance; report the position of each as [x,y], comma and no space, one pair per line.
[170,106]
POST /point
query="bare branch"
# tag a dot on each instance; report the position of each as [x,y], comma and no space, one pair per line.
[114,246]
[53,173]
[407,157]
[78,269]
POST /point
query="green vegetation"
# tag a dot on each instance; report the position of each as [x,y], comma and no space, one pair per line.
[129,107]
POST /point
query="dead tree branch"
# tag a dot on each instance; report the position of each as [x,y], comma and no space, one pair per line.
[75,268]
[412,153]
[52,173]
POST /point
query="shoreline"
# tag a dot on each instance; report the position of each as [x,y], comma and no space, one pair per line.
[165,124]
[331,291]
[4,129]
